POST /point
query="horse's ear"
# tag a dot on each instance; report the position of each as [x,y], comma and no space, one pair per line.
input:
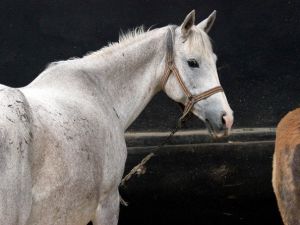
[187,24]
[207,24]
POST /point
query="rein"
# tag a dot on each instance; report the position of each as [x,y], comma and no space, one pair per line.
[170,69]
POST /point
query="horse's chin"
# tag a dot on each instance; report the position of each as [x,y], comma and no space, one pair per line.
[214,133]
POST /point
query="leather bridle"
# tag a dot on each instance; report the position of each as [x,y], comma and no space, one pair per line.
[171,68]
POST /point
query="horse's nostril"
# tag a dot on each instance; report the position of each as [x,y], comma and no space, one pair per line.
[227,120]
[223,119]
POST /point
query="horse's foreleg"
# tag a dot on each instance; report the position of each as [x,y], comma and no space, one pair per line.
[108,210]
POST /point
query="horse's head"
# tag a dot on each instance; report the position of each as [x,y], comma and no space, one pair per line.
[195,62]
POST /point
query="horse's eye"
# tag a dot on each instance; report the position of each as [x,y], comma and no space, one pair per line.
[193,63]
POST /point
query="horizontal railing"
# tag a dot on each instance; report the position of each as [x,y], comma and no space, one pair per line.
[142,139]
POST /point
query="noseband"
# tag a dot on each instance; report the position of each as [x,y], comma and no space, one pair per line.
[171,68]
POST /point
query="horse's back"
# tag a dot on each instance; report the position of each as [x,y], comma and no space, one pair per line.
[286,168]
[15,141]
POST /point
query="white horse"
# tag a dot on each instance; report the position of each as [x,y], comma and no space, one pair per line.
[62,146]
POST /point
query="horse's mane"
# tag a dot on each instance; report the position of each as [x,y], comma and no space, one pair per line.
[197,37]
[125,39]
[131,35]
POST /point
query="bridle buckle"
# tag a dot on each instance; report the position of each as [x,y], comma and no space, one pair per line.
[191,98]
[170,63]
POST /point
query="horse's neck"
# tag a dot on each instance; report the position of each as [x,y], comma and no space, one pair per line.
[131,73]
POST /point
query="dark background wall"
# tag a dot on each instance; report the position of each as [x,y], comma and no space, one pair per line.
[257,43]
[258,46]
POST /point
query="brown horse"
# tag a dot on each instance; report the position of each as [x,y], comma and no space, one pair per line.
[286,168]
